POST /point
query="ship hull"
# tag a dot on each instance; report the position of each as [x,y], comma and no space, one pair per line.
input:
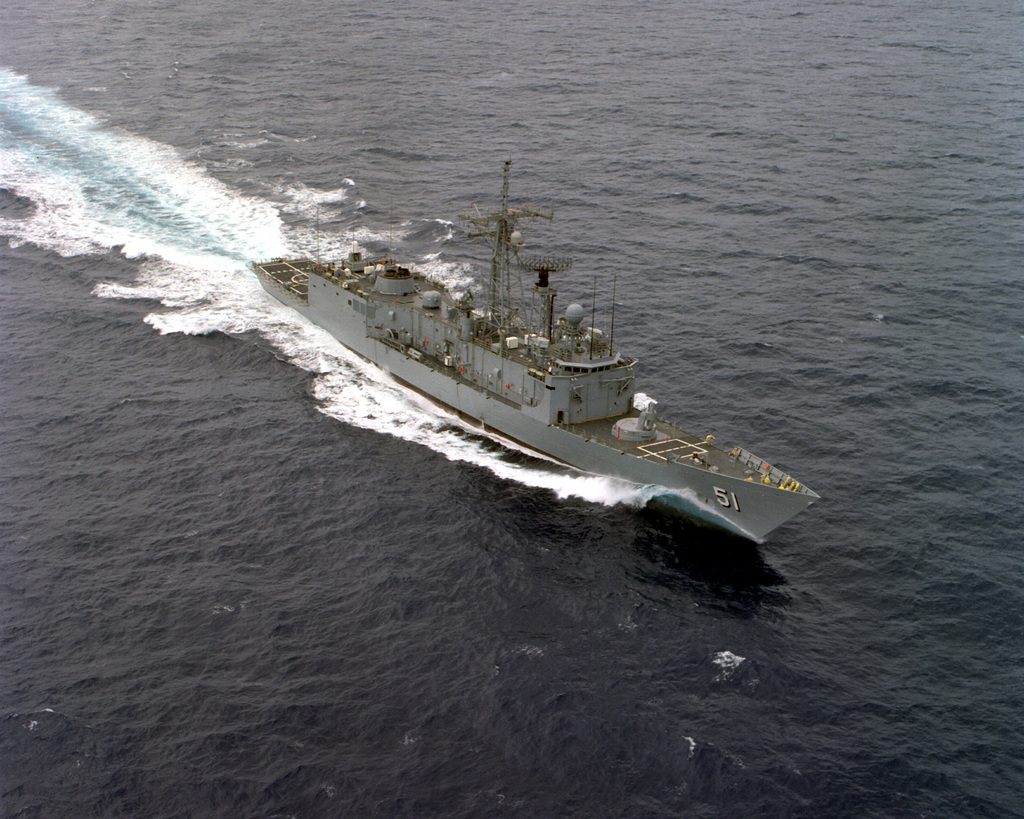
[742,506]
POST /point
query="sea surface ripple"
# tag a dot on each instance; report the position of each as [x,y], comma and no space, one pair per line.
[244,574]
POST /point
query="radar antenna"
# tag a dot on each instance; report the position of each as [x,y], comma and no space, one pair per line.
[544,266]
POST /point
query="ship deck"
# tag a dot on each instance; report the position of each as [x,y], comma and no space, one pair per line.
[676,446]
[290,274]
[672,445]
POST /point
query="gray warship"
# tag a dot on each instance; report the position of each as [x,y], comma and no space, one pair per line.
[553,384]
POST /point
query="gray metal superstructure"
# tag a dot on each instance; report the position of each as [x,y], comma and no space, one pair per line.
[550,383]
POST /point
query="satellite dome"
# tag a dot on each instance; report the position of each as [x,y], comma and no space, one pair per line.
[574,314]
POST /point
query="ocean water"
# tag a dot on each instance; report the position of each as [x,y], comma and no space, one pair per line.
[243,574]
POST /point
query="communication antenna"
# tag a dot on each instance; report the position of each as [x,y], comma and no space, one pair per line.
[318,234]
[593,310]
[611,340]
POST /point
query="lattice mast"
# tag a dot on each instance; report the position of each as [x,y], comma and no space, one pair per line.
[500,228]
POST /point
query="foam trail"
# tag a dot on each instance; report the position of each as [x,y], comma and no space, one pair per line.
[94,189]
[387,407]
[728,663]
[311,202]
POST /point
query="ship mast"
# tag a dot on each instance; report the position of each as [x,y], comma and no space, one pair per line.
[500,229]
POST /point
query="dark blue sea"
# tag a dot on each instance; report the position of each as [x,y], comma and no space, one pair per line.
[243,574]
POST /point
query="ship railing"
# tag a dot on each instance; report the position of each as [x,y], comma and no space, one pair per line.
[758,466]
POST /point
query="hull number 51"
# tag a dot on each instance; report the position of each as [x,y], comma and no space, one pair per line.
[727,499]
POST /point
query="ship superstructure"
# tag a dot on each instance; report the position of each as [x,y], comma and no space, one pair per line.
[552,383]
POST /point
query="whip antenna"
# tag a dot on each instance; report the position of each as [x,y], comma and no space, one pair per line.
[593,310]
[611,341]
